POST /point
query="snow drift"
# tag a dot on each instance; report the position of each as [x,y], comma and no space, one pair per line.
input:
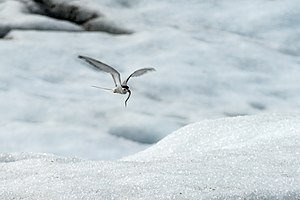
[213,59]
[254,157]
[253,133]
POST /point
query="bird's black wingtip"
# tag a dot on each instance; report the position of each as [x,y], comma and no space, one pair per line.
[81,57]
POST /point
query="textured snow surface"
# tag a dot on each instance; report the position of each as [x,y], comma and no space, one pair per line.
[253,157]
[213,59]
[260,134]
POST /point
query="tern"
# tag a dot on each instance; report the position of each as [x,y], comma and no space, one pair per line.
[120,87]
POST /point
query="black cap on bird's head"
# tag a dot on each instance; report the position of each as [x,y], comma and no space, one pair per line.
[125,88]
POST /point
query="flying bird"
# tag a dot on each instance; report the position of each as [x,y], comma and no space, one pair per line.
[120,87]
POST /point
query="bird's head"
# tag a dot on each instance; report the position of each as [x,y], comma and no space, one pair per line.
[125,88]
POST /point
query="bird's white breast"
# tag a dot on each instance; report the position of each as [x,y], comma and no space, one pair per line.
[119,90]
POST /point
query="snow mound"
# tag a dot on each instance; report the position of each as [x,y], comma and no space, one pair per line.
[213,59]
[14,157]
[254,157]
[272,133]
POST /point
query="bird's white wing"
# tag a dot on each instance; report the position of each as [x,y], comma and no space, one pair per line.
[100,66]
[137,73]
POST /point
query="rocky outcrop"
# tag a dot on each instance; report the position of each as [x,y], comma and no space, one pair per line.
[64,11]
[3,31]
[53,15]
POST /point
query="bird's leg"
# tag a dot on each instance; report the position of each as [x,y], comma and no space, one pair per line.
[127,98]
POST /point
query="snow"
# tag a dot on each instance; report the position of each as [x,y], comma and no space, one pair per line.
[258,133]
[214,60]
[250,157]
[210,64]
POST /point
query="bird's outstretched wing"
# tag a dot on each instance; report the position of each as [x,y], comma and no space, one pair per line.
[100,66]
[138,72]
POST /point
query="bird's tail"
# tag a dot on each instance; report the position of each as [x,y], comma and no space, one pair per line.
[103,88]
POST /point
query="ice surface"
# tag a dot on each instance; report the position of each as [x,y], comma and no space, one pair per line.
[213,59]
[252,157]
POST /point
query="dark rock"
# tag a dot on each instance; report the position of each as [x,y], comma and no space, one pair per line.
[66,11]
[103,25]
[80,18]
[3,31]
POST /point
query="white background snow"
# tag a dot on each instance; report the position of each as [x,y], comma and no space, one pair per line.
[213,59]
[253,157]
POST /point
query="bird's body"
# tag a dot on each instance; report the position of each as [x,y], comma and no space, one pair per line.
[120,87]
[120,90]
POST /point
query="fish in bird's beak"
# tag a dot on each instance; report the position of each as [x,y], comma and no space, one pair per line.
[127,98]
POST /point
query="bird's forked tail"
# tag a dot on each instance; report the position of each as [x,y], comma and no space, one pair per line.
[103,88]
